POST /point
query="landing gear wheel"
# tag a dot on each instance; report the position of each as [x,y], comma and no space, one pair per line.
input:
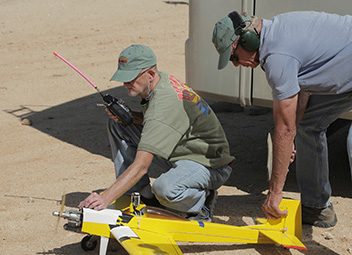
[88,243]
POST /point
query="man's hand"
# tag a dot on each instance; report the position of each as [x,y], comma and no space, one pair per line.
[271,206]
[137,117]
[112,116]
[94,201]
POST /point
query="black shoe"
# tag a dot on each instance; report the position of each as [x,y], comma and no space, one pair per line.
[322,218]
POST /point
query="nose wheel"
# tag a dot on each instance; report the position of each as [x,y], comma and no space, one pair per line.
[89,242]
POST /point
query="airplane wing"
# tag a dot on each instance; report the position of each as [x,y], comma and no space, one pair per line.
[142,242]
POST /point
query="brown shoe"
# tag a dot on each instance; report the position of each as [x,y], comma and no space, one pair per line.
[322,218]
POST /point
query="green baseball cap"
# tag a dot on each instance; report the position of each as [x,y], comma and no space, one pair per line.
[132,61]
[223,37]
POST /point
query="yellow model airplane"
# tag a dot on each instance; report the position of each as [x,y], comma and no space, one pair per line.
[144,230]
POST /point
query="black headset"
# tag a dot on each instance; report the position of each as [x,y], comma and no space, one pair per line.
[249,40]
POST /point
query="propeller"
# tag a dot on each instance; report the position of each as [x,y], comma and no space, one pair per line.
[59,213]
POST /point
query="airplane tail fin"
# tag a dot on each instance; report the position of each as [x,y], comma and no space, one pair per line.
[286,231]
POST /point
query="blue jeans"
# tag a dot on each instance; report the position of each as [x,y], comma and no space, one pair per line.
[312,165]
[182,186]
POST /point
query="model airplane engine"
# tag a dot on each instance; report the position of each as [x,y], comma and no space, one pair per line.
[74,218]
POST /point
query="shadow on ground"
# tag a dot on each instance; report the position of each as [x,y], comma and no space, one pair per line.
[247,130]
[79,122]
[75,249]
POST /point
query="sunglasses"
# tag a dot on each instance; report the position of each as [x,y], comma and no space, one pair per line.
[234,58]
[140,74]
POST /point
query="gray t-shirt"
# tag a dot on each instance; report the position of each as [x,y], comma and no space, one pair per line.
[311,51]
[179,124]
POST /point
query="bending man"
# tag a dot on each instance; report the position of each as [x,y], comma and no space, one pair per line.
[307,59]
